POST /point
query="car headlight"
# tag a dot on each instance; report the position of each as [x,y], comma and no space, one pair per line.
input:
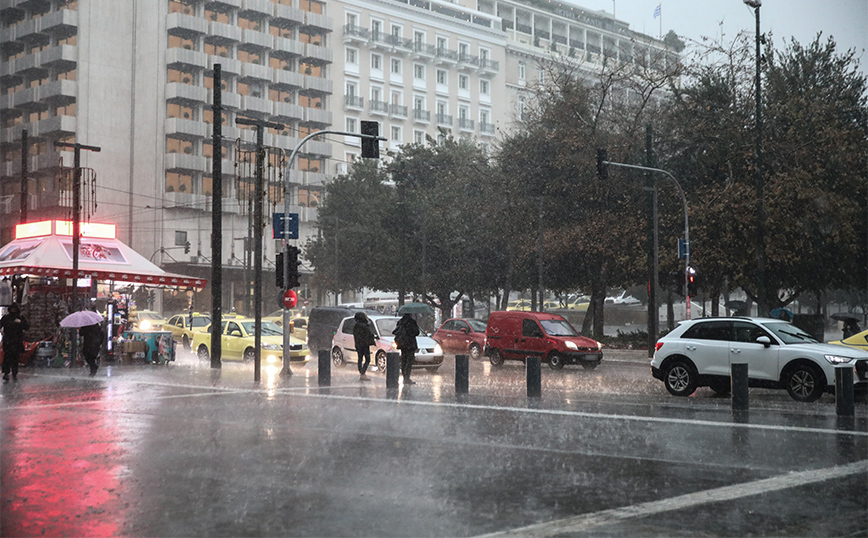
[437,349]
[838,359]
[268,345]
[571,345]
[394,345]
[145,325]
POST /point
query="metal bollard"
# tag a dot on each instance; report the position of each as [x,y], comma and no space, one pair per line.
[739,387]
[393,364]
[324,360]
[534,377]
[844,400]
[462,374]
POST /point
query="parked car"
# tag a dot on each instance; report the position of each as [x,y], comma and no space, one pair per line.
[324,321]
[518,335]
[238,342]
[146,320]
[182,327]
[857,341]
[700,352]
[521,305]
[298,324]
[461,335]
[429,356]
[623,299]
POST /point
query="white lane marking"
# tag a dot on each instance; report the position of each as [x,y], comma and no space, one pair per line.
[586,522]
[306,392]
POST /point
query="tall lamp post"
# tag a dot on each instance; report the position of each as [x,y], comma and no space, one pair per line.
[762,305]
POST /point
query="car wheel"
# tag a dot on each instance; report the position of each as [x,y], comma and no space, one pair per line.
[805,382]
[338,357]
[556,362]
[475,351]
[380,360]
[680,378]
[186,343]
[590,365]
[249,355]
[203,354]
[495,357]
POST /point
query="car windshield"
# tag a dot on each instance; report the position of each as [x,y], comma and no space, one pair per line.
[790,334]
[385,326]
[268,329]
[147,315]
[558,327]
[201,321]
[477,324]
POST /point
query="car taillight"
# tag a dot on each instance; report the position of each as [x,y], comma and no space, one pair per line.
[657,346]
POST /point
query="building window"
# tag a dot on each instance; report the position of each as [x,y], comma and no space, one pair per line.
[441,76]
[397,30]
[484,87]
[419,137]
[352,56]
[176,182]
[352,125]
[376,29]
[442,43]
[418,71]
[352,20]
[418,37]
[463,82]
[418,103]
[463,51]
[352,89]
[521,70]
[376,62]
[396,134]
[396,66]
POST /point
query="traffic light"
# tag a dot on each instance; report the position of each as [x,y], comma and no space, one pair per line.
[678,282]
[602,166]
[278,270]
[292,253]
[370,146]
[186,247]
[692,282]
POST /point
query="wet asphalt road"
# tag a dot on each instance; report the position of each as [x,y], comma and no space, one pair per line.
[185,450]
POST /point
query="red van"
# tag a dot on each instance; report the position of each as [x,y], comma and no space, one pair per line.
[516,335]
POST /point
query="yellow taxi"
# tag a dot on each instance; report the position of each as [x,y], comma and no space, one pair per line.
[298,324]
[522,305]
[238,343]
[182,327]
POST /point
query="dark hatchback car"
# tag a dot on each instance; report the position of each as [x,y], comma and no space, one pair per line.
[461,335]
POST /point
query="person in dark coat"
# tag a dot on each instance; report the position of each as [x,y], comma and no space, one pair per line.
[13,325]
[405,333]
[851,327]
[364,339]
[92,337]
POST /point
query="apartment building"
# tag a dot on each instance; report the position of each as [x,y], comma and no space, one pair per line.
[135,78]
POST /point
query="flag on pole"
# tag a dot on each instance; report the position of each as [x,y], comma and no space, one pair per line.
[657,11]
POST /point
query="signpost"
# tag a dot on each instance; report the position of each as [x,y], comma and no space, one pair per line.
[282,229]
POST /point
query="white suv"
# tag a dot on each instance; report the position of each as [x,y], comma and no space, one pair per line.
[700,352]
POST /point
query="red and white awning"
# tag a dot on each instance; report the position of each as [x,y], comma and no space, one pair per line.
[102,258]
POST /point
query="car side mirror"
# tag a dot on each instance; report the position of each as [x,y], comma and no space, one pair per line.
[464,330]
[764,340]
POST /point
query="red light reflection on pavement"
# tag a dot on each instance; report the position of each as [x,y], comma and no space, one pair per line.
[60,468]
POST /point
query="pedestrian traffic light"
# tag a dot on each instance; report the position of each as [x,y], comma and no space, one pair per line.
[678,282]
[370,146]
[602,164]
[292,254]
[278,270]
[186,247]
[692,282]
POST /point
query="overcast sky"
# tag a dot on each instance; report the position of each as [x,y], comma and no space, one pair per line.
[845,20]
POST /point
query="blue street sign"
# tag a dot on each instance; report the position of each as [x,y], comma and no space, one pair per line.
[683,248]
[277,222]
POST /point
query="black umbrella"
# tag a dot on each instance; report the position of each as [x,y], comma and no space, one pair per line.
[844,316]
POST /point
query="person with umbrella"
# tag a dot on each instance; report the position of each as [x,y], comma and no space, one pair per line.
[13,325]
[91,333]
[406,331]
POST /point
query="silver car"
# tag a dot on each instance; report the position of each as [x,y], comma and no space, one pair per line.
[429,355]
[700,352]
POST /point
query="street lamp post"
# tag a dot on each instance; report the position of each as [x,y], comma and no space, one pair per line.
[762,304]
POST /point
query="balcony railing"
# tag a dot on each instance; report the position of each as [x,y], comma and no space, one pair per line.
[354,101]
[421,115]
[444,119]
[380,107]
[465,123]
[398,111]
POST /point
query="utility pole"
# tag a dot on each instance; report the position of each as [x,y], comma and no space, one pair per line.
[76,230]
[259,126]
[653,257]
[24,189]
[217,221]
